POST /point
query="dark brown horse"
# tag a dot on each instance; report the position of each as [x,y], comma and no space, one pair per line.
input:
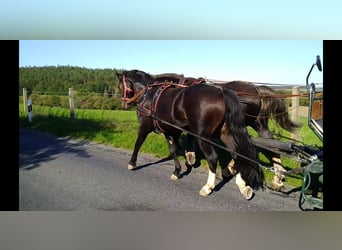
[259,104]
[211,113]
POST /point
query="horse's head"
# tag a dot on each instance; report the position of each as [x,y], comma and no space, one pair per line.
[132,82]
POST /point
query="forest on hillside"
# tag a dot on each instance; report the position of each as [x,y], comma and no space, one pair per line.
[58,79]
[94,88]
[49,86]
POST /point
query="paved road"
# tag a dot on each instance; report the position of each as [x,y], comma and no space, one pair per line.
[62,174]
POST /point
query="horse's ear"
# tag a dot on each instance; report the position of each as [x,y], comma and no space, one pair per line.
[118,75]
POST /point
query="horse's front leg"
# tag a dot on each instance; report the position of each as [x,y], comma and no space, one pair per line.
[190,155]
[208,188]
[172,141]
[140,140]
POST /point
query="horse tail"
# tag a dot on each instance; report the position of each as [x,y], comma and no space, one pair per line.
[250,171]
[276,108]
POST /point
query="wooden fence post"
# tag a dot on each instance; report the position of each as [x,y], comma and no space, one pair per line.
[71,103]
[25,100]
[295,109]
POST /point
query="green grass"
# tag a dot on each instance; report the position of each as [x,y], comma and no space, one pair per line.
[118,128]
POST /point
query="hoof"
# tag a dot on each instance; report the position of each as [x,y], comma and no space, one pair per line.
[190,158]
[174,177]
[205,191]
[277,184]
[130,167]
[247,192]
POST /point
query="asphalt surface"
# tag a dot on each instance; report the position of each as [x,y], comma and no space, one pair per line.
[67,174]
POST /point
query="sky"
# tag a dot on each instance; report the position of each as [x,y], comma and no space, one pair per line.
[176,19]
[260,41]
[284,62]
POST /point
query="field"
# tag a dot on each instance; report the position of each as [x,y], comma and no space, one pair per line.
[118,128]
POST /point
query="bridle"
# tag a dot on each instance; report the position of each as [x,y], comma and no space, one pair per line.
[125,89]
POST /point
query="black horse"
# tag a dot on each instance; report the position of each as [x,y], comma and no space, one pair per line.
[210,113]
[259,103]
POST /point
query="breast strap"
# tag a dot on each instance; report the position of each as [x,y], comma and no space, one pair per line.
[154,105]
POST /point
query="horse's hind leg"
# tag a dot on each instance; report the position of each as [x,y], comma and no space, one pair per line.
[212,158]
[246,191]
[228,140]
[274,158]
[278,177]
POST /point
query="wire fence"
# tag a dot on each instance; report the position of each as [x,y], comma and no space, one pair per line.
[80,100]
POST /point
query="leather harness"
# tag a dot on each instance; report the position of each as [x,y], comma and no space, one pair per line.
[170,80]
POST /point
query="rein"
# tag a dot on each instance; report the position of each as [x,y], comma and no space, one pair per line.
[271,169]
[152,113]
[154,116]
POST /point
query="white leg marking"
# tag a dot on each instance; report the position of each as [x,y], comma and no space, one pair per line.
[278,176]
[246,191]
[130,166]
[211,178]
[190,157]
[208,188]
[277,164]
[231,167]
[277,181]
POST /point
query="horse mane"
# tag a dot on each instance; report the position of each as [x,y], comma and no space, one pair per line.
[139,76]
[238,82]
[146,79]
[170,77]
[179,79]
[276,108]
